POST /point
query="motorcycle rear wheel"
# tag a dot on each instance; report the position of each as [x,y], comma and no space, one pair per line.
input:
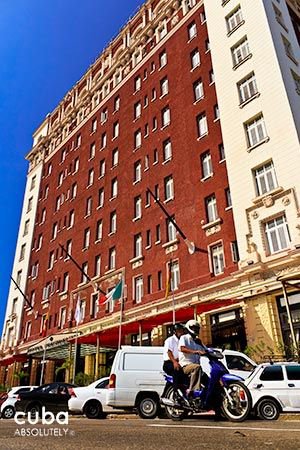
[240,408]
[172,412]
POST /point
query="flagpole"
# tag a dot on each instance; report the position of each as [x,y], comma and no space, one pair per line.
[75,355]
[173,296]
[43,364]
[121,316]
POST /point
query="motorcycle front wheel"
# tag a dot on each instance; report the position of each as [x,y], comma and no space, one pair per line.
[174,412]
[236,404]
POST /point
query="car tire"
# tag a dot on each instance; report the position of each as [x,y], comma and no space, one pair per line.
[148,407]
[268,409]
[34,409]
[93,410]
[8,412]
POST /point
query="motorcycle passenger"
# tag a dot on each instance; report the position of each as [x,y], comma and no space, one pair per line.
[171,365]
[190,349]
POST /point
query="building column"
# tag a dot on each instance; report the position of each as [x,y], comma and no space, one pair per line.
[33,371]
[49,372]
[2,375]
[89,365]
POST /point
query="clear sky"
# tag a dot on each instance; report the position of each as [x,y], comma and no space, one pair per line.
[45,47]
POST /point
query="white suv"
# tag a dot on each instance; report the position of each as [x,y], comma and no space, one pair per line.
[275,388]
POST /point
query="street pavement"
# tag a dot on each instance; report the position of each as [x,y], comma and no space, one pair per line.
[132,433]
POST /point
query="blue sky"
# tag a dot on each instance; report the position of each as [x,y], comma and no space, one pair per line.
[45,47]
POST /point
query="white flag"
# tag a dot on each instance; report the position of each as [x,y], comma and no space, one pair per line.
[78,312]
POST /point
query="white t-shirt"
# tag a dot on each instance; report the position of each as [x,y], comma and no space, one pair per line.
[189,358]
[171,344]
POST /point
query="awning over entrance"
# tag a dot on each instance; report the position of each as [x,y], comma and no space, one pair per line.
[108,338]
[13,358]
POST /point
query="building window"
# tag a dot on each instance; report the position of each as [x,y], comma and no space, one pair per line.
[137,110]
[116,130]
[137,207]
[192,31]
[202,17]
[97,270]
[228,198]
[117,103]
[137,171]
[165,116]
[195,58]
[94,305]
[90,177]
[146,133]
[26,227]
[102,168]
[86,238]
[288,48]
[94,125]
[99,230]
[277,234]
[115,157]
[137,139]
[71,219]
[217,259]
[149,284]
[138,289]
[104,115]
[202,125]
[68,248]
[33,182]
[169,188]
[206,165]
[198,90]
[171,230]
[114,188]
[247,88]
[39,242]
[65,282]
[164,86]
[100,198]
[43,215]
[138,246]
[148,199]
[265,178]
[62,317]
[27,330]
[92,150]
[76,165]
[240,51]
[137,83]
[216,112]
[112,258]
[155,156]
[148,238]
[85,268]
[113,222]
[103,140]
[167,150]
[234,251]
[51,260]
[60,179]
[73,190]
[211,208]
[159,280]
[163,59]
[146,101]
[78,141]
[296,81]
[211,77]
[207,45]
[22,252]
[154,124]
[153,95]
[88,207]
[234,19]
[157,234]
[256,131]
[175,275]
[29,204]
[221,152]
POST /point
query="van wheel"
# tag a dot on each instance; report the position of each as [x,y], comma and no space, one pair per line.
[148,408]
[268,409]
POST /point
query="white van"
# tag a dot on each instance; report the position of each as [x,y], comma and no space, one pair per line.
[137,381]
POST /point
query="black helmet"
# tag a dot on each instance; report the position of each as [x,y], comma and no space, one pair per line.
[178,327]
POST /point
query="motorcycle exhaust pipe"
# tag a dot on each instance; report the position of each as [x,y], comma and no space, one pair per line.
[167,402]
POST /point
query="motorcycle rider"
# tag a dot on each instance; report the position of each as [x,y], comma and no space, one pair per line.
[190,349]
[171,365]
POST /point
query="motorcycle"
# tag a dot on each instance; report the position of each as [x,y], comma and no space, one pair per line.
[221,391]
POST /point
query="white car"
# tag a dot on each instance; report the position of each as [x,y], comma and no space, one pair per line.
[8,407]
[91,400]
[275,388]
